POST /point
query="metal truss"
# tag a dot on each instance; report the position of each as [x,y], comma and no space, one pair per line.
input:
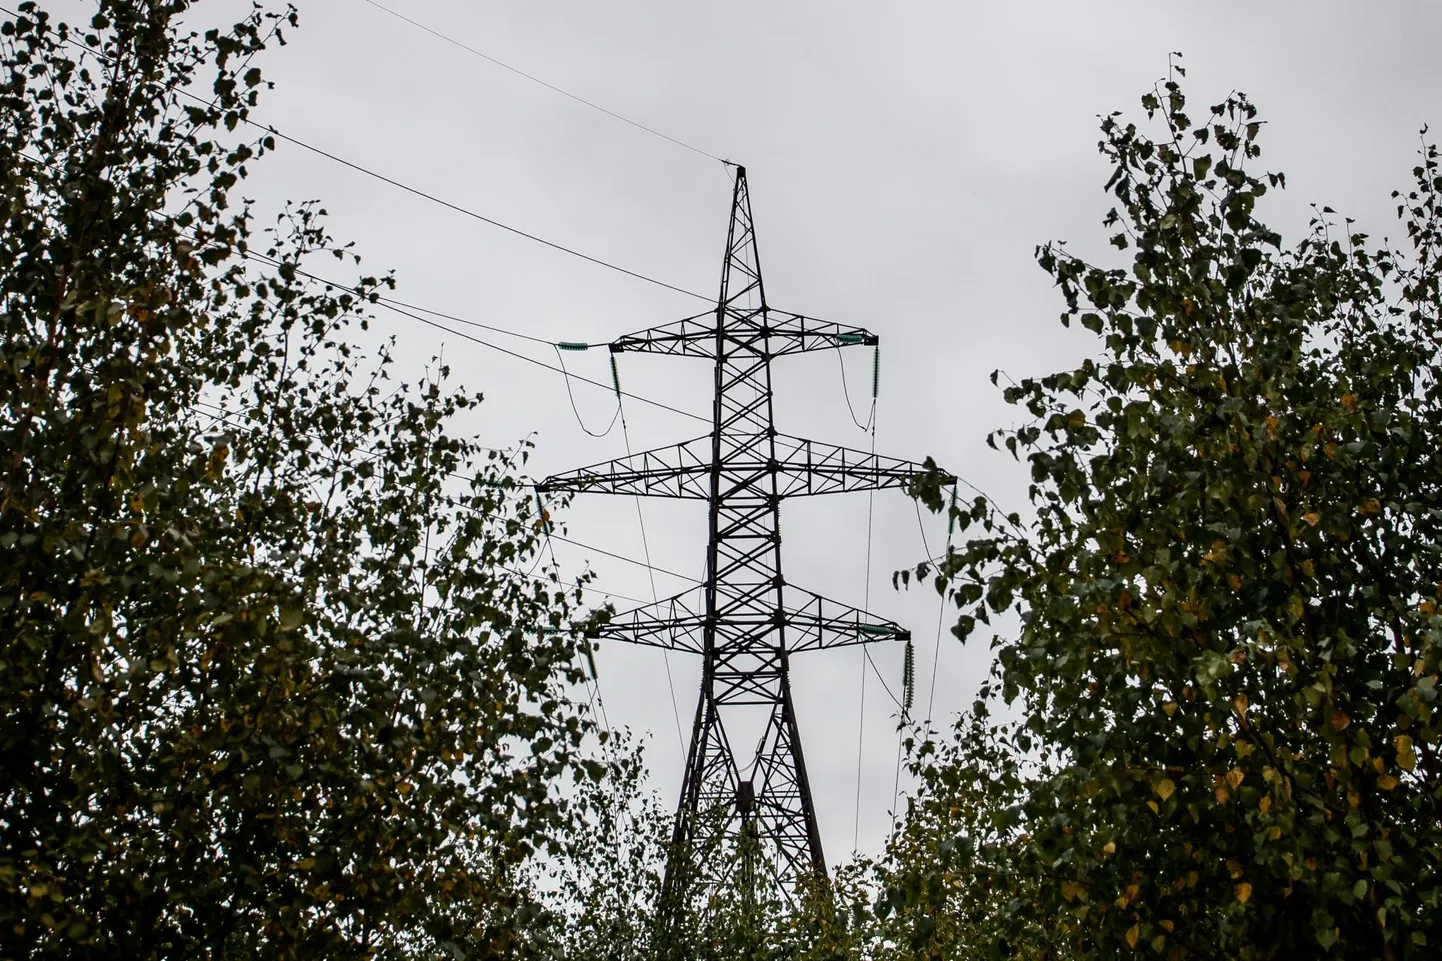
[745,621]
[817,623]
[801,467]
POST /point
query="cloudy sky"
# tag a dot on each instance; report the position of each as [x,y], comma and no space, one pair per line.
[904,161]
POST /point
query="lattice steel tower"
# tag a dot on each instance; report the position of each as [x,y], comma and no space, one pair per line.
[749,621]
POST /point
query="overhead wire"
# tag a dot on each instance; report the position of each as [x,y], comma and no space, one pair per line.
[414,315]
[505,330]
[866,604]
[646,549]
[391,301]
[846,392]
[594,697]
[572,398]
[600,550]
[941,614]
[218,413]
[412,311]
[400,185]
[550,86]
[461,210]
[865,654]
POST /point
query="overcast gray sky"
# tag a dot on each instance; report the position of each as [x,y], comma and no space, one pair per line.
[904,160]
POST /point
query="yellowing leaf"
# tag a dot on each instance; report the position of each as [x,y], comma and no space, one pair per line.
[1234,778]
[1243,891]
[1312,518]
[1133,935]
[1165,788]
[1109,848]
[1406,756]
[1387,782]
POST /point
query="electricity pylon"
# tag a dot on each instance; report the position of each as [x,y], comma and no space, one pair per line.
[749,621]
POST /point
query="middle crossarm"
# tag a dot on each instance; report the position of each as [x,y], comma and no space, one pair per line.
[814,623]
[803,467]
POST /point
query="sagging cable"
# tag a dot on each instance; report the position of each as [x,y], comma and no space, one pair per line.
[875,386]
[570,395]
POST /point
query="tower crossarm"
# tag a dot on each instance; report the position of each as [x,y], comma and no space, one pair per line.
[802,468]
[815,623]
[809,467]
[809,622]
[672,623]
[776,332]
[680,470]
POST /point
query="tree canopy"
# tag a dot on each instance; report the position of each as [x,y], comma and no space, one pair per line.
[1220,734]
[285,672]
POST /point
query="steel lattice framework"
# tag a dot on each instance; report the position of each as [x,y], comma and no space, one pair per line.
[749,621]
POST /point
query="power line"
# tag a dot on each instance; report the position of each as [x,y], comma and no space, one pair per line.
[846,392]
[503,330]
[570,396]
[685,577]
[549,86]
[462,320]
[459,209]
[405,309]
[941,614]
[628,560]
[403,186]
[220,413]
[646,549]
[866,606]
[559,537]
[392,306]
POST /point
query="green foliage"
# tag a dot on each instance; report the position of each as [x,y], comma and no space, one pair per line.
[274,679]
[611,903]
[944,886]
[1227,656]
[605,889]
